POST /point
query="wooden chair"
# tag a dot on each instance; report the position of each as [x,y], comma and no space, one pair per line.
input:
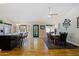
[50,38]
[63,37]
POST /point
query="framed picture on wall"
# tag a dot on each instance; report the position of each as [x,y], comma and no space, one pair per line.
[23,28]
[42,27]
[77,22]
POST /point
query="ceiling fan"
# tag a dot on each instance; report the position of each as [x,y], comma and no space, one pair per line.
[50,12]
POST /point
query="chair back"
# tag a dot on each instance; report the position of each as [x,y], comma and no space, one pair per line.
[63,36]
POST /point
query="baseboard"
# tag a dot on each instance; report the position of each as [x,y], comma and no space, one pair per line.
[73,43]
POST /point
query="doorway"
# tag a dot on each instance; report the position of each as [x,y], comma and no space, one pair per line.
[35,30]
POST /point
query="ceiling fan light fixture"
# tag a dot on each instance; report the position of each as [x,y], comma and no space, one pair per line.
[50,12]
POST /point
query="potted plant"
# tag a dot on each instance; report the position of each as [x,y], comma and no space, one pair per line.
[1,21]
[66,23]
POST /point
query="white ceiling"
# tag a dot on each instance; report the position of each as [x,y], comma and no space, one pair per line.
[27,12]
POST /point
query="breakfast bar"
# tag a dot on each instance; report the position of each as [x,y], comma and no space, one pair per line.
[8,42]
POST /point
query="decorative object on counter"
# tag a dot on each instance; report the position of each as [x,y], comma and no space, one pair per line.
[42,27]
[66,23]
[1,31]
[77,22]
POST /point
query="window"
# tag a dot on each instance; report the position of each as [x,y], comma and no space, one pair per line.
[50,28]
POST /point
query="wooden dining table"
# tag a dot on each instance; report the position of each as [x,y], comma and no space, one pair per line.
[55,38]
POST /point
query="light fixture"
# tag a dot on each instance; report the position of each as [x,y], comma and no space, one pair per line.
[50,12]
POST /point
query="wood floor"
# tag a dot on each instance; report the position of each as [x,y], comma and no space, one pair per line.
[37,47]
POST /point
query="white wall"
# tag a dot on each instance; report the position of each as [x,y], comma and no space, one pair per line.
[3,15]
[73,31]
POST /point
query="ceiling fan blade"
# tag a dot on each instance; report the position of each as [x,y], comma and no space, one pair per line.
[53,14]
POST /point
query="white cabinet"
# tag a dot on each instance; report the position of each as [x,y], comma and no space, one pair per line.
[1,29]
[5,29]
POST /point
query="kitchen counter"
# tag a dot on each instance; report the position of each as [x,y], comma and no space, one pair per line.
[8,41]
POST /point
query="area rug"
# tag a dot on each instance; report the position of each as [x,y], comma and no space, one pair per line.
[53,46]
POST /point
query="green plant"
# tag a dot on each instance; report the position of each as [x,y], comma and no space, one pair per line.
[1,21]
